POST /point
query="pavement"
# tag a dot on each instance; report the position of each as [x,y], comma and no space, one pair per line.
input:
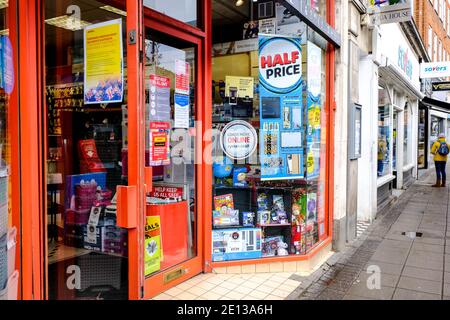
[403,254]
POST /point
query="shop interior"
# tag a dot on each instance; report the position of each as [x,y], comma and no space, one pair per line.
[256,213]
[86,154]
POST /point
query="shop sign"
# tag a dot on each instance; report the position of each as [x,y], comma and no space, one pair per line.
[281,85]
[389,11]
[404,62]
[7,64]
[238,140]
[441,86]
[159,143]
[165,192]
[309,15]
[103,63]
[435,70]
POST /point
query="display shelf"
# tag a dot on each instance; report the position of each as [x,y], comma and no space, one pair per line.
[275,225]
[232,227]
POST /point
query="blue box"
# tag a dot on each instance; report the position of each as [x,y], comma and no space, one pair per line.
[236,244]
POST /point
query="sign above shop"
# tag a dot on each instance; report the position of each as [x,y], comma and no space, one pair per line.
[309,15]
[238,140]
[435,70]
[389,11]
[441,86]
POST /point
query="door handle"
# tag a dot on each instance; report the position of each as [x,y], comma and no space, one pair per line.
[148,176]
[127,207]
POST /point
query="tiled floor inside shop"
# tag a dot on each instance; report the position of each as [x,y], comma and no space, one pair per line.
[257,286]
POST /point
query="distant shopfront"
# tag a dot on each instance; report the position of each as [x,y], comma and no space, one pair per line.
[157,161]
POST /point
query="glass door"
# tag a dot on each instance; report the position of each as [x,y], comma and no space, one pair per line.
[91,152]
[172,232]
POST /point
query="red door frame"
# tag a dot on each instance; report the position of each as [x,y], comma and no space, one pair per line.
[199,38]
[32,126]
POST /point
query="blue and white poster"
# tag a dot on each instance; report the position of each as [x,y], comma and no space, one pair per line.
[281,123]
[181,111]
[314,90]
[7,64]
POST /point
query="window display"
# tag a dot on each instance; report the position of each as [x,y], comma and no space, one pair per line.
[274,83]
[9,109]
[384,156]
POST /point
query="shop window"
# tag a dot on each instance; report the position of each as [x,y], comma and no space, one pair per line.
[9,110]
[406,136]
[384,133]
[184,10]
[170,73]
[269,141]
[86,149]
[421,157]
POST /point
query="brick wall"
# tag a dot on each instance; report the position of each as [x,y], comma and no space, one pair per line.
[425,16]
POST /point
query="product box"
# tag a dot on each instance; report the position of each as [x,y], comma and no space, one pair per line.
[248,219]
[270,245]
[226,218]
[73,180]
[236,244]
[222,201]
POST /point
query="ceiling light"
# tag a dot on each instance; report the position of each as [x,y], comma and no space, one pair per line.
[114,10]
[239,3]
[67,22]
[3,4]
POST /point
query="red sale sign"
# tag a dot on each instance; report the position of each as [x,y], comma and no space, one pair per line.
[181,77]
[159,143]
[164,192]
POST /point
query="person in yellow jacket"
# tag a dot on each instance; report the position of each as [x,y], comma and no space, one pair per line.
[440,150]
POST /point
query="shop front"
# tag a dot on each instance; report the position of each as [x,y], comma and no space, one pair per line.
[172,138]
[434,120]
[398,98]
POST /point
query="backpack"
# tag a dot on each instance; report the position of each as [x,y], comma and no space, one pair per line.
[443,149]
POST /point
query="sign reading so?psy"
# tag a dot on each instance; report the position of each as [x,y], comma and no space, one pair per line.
[280,65]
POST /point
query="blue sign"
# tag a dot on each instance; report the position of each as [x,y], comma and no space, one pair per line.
[7,64]
[281,111]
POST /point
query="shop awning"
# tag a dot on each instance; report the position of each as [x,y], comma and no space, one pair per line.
[392,72]
[442,105]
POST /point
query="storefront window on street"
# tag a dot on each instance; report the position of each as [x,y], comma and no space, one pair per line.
[8,141]
[384,133]
[271,201]
[406,136]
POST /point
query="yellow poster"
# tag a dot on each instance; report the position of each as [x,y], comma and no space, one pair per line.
[239,87]
[103,62]
[153,250]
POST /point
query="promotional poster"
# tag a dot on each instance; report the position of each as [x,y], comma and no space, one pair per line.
[281,109]
[153,251]
[159,143]
[314,89]
[103,68]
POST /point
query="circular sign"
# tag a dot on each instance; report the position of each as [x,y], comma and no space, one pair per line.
[238,140]
[280,65]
